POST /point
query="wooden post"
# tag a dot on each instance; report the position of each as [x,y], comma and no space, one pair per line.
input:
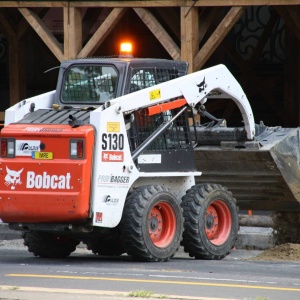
[189,35]
[14,74]
[72,32]
[17,84]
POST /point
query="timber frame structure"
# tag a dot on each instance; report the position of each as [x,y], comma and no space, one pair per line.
[200,26]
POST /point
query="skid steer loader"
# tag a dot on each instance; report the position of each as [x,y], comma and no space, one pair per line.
[108,159]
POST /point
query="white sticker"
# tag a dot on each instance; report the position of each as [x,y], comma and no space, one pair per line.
[149,159]
[26,147]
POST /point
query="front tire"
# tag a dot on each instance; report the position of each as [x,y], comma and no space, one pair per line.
[211,221]
[49,245]
[151,224]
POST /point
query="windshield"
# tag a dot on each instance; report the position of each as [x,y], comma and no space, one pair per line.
[89,84]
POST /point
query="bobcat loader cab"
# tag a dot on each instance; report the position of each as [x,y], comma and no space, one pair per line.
[107,157]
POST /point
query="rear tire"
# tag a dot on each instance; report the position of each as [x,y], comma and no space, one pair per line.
[49,245]
[211,221]
[151,224]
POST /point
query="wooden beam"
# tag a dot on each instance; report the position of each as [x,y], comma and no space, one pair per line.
[217,36]
[7,24]
[206,18]
[23,25]
[17,70]
[291,16]
[252,78]
[102,32]
[150,3]
[171,17]
[229,110]
[88,21]
[267,32]
[17,83]
[72,32]
[189,35]
[159,32]
[291,78]
[2,116]
[43,32]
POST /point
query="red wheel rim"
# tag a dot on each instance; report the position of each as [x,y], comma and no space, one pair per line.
[218,222]
[162,224]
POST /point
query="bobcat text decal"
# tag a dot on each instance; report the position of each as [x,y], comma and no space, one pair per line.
[46,181]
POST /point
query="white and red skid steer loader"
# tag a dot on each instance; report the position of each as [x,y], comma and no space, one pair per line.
[107,159]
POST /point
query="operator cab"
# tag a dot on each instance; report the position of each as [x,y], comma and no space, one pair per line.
[93,81]
[87,83]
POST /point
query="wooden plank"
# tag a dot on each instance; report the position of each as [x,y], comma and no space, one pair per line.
[2,115]
[189,35]
[187,3]
[88,21]
[291,114]
[15,72]
[16,64]
[217,36]
[267,32]
[206,19]
[290,88]
[6,23]
[102,32]
[159,32]
[23,25]
[171,17]
[251,77]
[43,32]
[150,3]
[296,79]
[291,16]
[72,32]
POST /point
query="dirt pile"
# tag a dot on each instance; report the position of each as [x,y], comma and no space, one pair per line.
[286,227]
[287,252]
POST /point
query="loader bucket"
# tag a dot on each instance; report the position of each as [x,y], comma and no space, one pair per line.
[263,174]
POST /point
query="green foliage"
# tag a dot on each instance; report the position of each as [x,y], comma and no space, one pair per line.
[141,294]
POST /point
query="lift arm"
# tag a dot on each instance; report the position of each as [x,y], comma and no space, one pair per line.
[194,88]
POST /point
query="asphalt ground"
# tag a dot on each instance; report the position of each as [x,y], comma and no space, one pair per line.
[250,242]
[249,238]
[21,292]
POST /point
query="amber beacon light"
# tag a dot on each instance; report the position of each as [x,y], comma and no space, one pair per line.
[126,50]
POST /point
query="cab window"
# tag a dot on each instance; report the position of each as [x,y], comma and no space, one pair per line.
[89,84]
[143,78]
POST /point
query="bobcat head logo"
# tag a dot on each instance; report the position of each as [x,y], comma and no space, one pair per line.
[105,157]
[202,85]
[13,178]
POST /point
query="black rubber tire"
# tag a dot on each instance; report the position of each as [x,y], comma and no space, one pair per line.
[198,221]
[49,245]
[106,247]
[139,231]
